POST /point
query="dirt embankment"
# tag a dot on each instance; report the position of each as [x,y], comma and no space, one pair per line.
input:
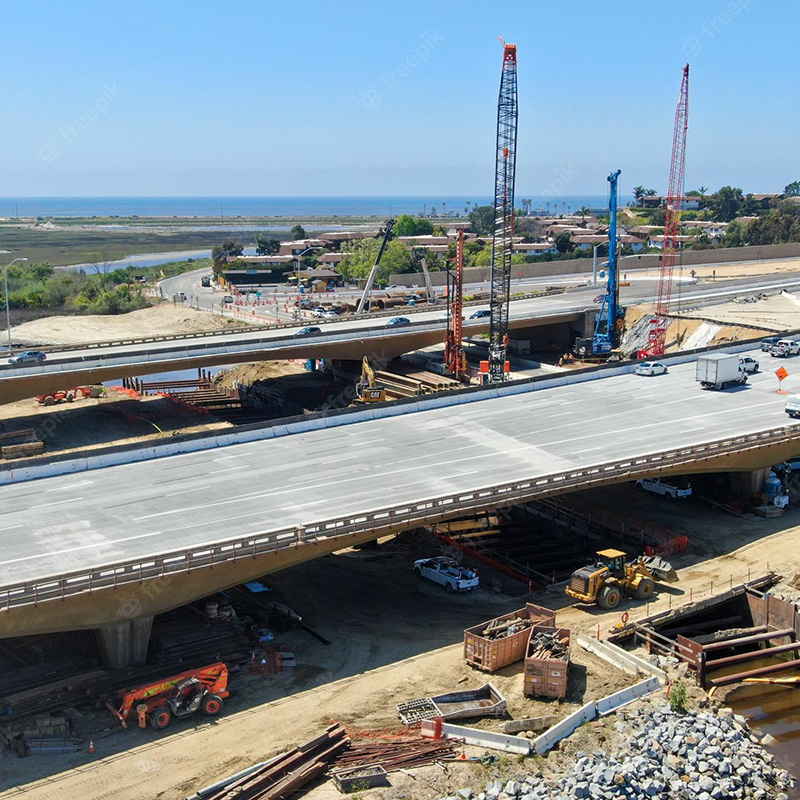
[161,320]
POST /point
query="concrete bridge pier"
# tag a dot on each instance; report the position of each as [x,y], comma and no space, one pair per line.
[124,644]
[748,483]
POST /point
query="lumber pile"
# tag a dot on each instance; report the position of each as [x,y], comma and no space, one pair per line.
[286,774]
[17,444]
[499,629]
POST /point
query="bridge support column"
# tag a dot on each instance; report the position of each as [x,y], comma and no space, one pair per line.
[125,644]
[748,483]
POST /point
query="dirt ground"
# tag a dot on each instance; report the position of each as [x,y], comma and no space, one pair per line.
[779,312]
[118,418]
[158,320]
[394,638]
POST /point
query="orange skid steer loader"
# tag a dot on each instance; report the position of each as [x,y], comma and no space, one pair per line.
[200,689]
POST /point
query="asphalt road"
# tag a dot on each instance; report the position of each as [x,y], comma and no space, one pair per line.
[59,524]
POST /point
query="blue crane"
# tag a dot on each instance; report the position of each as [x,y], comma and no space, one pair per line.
[611,315]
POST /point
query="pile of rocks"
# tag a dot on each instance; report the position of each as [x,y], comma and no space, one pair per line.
[666,756]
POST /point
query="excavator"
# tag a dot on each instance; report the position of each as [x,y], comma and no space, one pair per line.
[200,689]
[605,581]
[368,391]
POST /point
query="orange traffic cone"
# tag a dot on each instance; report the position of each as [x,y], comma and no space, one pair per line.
[91,747]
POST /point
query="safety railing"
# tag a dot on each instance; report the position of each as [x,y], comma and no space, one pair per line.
[375,522]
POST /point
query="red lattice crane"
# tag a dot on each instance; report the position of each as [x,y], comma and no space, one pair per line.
[454,357]
[656,340]
[505,166]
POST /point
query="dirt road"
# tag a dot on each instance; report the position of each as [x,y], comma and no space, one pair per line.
[393,638]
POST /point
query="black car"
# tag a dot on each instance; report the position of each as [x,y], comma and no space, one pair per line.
[28,356]
[308,331]
[484,312]
[768,342]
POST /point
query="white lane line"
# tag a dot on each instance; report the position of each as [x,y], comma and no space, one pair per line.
[58,503]
[587,450]
[71,486]
[109,543]
[230,469]
[11,528]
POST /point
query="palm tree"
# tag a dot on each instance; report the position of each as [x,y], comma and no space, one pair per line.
[638,194]
[702,190]
[583,211]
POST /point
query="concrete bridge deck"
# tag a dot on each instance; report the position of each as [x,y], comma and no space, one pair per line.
[224,515]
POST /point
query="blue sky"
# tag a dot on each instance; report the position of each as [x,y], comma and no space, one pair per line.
[362,98]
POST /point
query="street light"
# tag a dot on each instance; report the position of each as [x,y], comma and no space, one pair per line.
[298,256]
[5,290]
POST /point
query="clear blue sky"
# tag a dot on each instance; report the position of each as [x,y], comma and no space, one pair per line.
[309,98]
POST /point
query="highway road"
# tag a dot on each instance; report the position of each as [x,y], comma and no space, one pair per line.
[55,525]
[573,302]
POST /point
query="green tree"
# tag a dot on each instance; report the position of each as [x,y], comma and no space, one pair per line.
[638,194]
[481,220]
[407,225]
[359,261]
[792,189]
[221,252]
[749,207]
[726,203]
[563,241]
[266,245]
[298,232]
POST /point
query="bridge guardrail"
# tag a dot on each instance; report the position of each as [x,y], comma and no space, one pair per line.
[377,521]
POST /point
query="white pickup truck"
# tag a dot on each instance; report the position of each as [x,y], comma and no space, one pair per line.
[448,573]
[664,487]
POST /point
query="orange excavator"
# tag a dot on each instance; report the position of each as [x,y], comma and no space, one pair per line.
[179,696]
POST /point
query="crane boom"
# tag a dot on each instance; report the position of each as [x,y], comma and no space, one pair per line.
[606,331]
[387,234]
[454,353]
[505,165]
[656,340]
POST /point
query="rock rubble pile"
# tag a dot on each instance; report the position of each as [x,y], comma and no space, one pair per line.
[665,756]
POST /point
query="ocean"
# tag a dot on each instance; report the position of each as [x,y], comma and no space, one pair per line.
[232,207]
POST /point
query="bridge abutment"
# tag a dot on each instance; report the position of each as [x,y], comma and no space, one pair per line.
[125,643]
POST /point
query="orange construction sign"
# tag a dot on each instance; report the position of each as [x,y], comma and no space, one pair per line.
[781,373]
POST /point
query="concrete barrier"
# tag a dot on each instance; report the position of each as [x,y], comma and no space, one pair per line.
[479,738]
[622,659]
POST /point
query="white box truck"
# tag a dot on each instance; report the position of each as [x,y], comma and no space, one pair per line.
[719,371]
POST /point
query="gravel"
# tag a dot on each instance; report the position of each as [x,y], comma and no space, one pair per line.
[666,756]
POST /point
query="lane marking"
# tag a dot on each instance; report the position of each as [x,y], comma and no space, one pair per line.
[57,503]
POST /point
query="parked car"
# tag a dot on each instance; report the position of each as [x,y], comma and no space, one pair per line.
[668,487]
[228,298]
[447,572]
[395,322]
[318,311]
[332,313]
[484,312]
[309,330]
[27,357]
[767,343]
[651,368]
[748,364]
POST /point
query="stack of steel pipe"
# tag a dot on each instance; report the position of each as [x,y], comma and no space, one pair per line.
[398,754]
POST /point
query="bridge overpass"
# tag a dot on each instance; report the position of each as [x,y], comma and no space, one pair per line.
[347,339]
[109,548]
